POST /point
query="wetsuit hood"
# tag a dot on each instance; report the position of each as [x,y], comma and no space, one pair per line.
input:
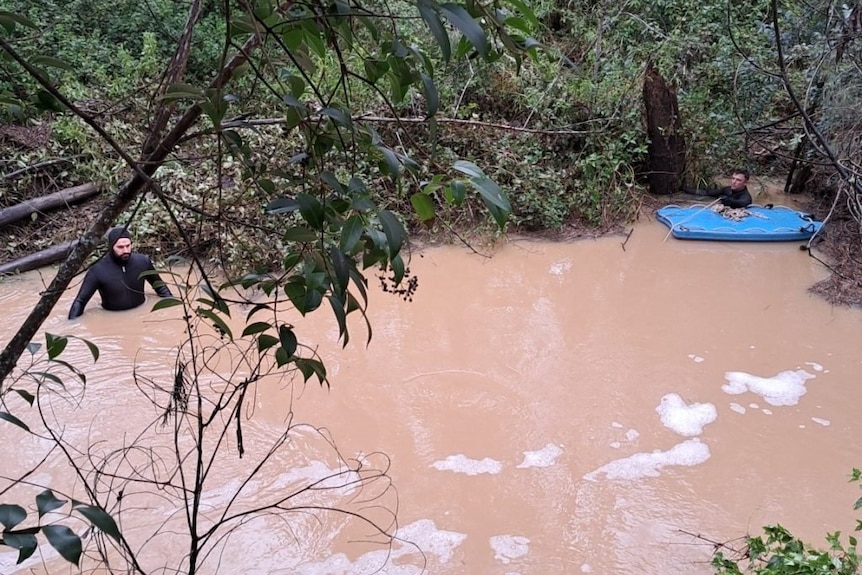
[114,236]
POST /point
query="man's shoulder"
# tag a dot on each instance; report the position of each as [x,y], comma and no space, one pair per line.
[139,258]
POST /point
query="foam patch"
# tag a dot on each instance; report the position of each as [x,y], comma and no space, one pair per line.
[460,463]
[687,454]
[687,420]
[784,388]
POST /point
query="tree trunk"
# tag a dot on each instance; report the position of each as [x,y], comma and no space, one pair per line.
[57,199]
[666,149]
[40,259]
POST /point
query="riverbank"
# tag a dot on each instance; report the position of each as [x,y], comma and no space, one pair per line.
[838,249]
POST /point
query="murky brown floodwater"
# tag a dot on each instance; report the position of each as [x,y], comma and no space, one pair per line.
[563,408]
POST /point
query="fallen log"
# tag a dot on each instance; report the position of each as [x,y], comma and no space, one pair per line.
[39,259]
[51,201]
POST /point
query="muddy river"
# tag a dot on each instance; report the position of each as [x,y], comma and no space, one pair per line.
[557,407]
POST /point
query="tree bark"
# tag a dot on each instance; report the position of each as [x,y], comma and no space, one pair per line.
[49,202]
[39,259]
[666,151]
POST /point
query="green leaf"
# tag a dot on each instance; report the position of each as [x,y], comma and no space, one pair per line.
[392,165]
[94,349]
[47,502]
[424,206]
[25,543]
[393,230]
[281,357]
[469,168]
[80,374]
[432,97]
[14,421]
[25,395]
[43,61]
[397,264]
[281,206]
[180,91]
[313,38]
[287,339]
[296,292]
[351,231]
[341,317]
[311,210]
[429,12]
[857,505]
[256,327]
[467,25]
[338,116]
[310,367]
[525,11]
[166,302]
[375,69]
[64,540]
[49,376]
[492,193]
[220,325]
[301,235]
[11,515]
[341,267]
[455,193]
[101,519]
[331,180]
[55,344]
[9,19]
[266,341]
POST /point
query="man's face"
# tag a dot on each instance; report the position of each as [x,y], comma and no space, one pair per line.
[123,248]
[737,182]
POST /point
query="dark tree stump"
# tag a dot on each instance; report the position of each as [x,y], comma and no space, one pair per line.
[666,149]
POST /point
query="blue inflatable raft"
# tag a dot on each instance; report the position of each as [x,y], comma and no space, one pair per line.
[752,224]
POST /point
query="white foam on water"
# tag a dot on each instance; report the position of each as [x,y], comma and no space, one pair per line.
[617,425]
[586,568]
[424,538]
[508,547]
[559,268]
[460,463]
[685,419]
[689,453]
[753,406]
[545,457]
[814,365]
[632,434]
[695,358]
[821,421]
[767,412]
[615,444]
[737,408]
[784,388]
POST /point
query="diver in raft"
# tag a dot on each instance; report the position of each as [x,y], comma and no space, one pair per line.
[116,276]
[733,196]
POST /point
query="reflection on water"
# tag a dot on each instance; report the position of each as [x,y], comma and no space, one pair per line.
[572,407]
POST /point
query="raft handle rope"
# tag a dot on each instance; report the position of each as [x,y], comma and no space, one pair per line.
[679,224]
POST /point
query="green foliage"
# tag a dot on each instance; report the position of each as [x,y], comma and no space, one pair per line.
[61,537]
[779,552]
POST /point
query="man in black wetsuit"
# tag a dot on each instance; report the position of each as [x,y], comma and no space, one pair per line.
[116,276]
[733,196]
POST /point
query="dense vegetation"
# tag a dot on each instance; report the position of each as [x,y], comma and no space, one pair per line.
[293,146]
